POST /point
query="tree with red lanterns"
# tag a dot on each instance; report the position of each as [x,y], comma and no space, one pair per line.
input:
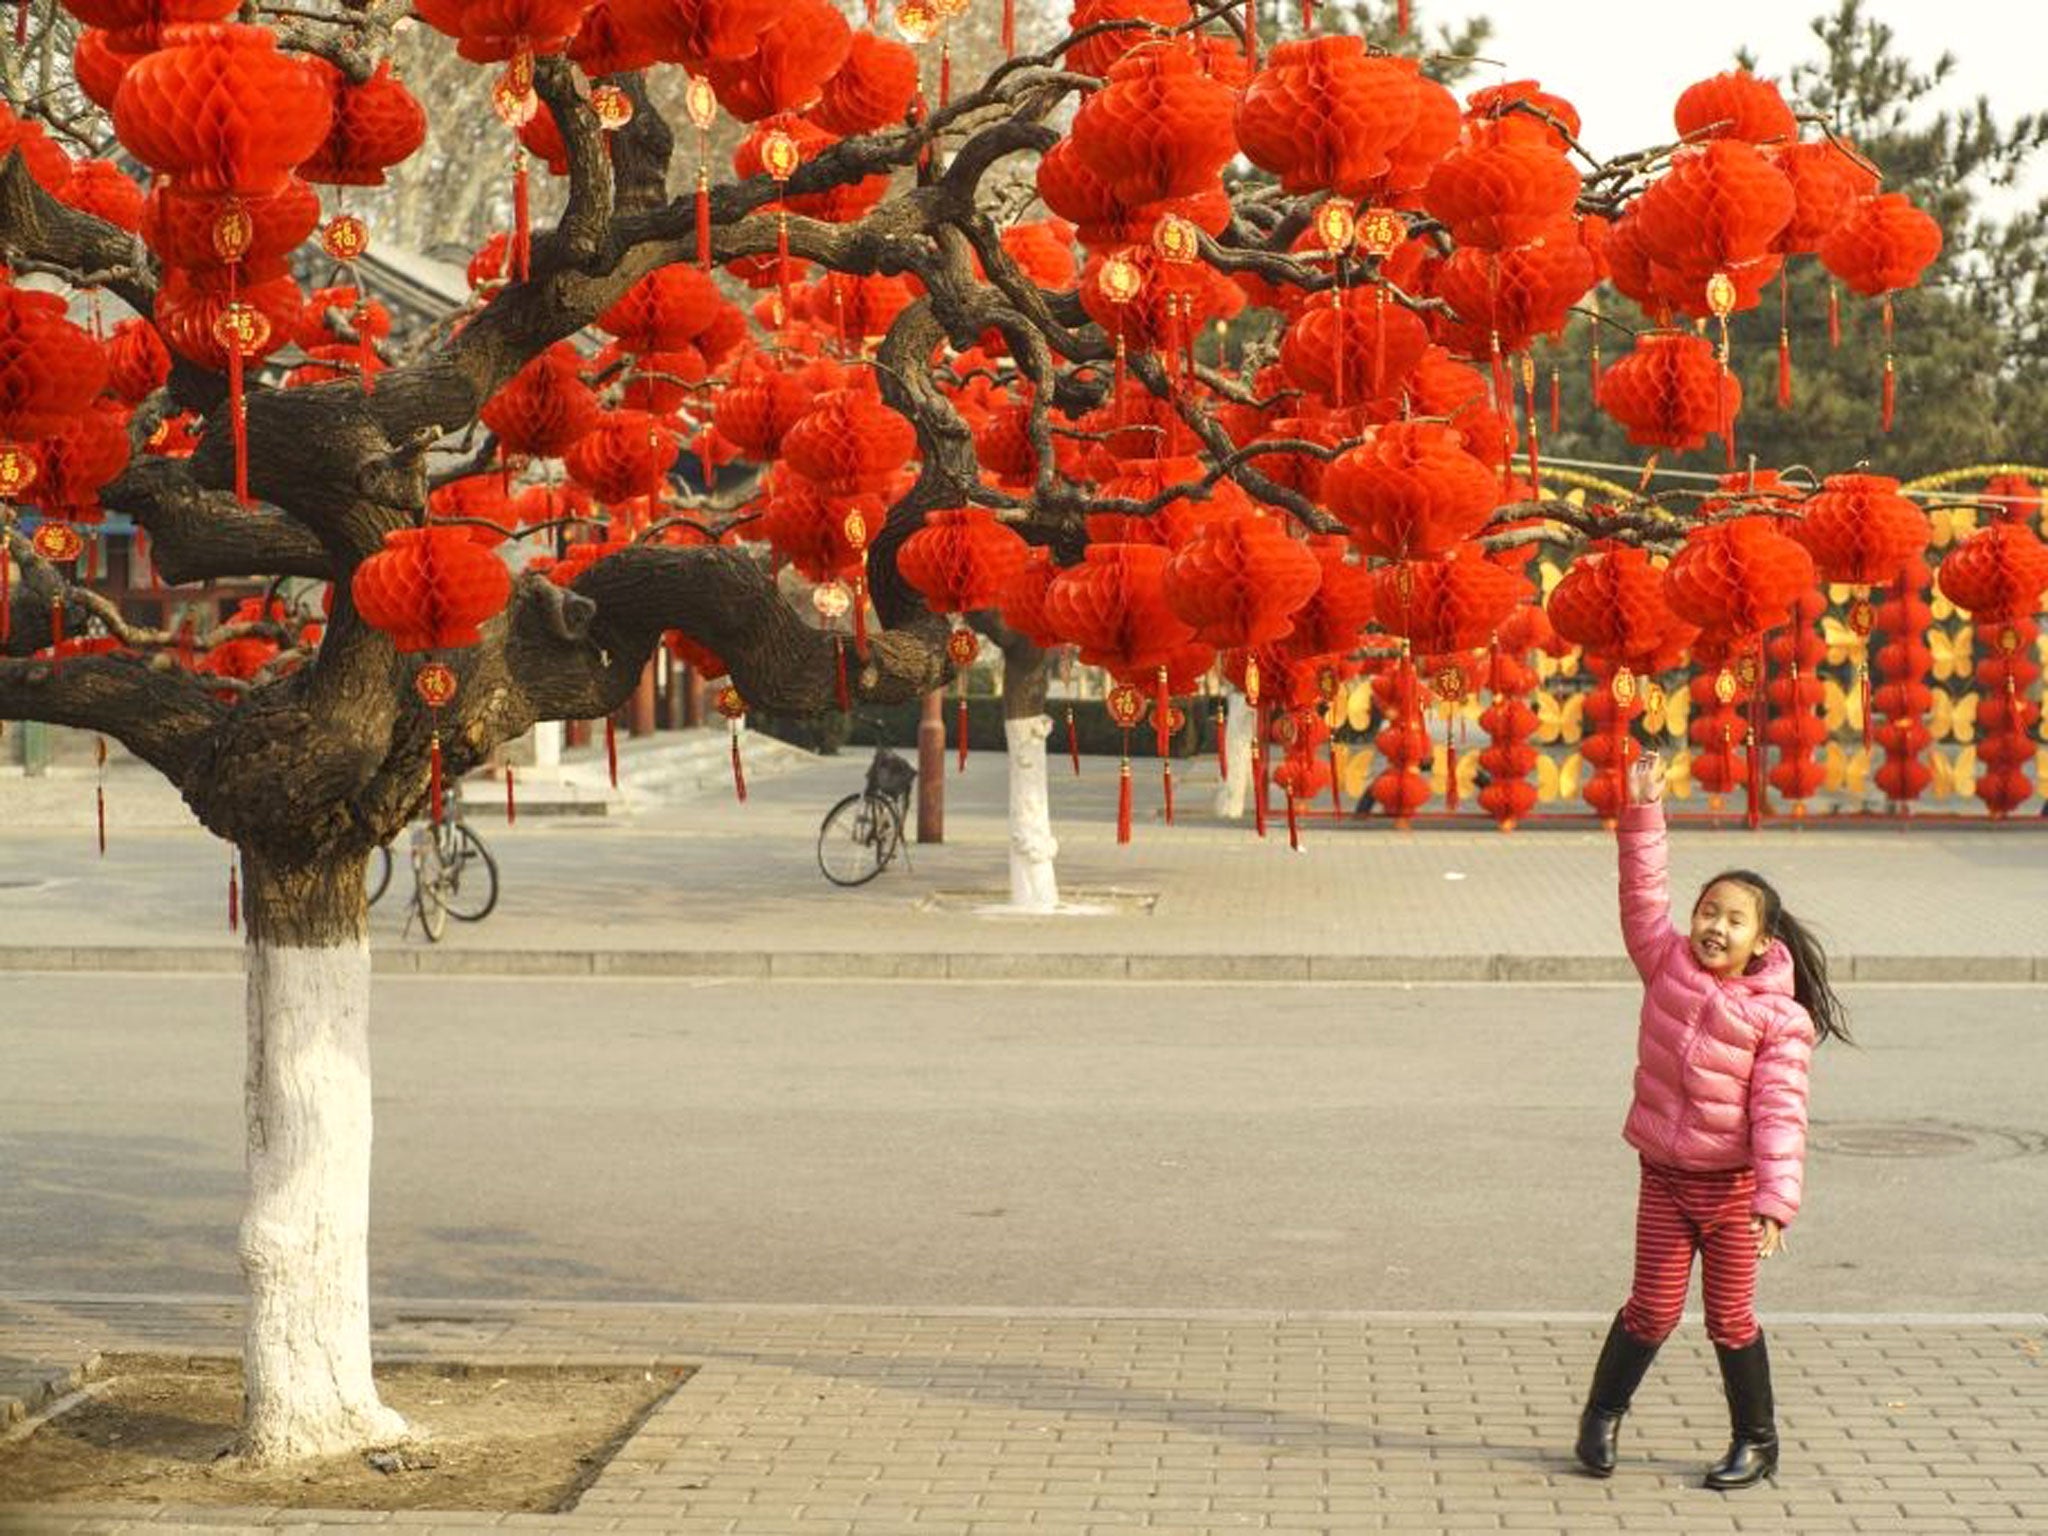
[1279,423]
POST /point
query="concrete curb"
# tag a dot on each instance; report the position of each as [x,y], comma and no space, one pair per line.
[867,965]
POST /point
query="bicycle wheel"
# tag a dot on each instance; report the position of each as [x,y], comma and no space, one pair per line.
[854,838]
[376,874]
[470,888]
[429,881]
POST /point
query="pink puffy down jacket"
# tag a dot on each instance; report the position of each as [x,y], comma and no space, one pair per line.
[1721,1065]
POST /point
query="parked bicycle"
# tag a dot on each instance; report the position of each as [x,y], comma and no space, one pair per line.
[863,832]
[453,873]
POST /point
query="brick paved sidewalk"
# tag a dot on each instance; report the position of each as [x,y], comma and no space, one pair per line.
[825,1422]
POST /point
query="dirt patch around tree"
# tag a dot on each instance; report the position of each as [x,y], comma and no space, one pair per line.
[152,1430]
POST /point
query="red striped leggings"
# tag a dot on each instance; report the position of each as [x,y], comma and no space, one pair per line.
[1677,1213]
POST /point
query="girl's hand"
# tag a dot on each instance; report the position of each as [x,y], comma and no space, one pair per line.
[1646,779]
[1770,1237]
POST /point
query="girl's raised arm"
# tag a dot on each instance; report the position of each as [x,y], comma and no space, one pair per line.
[1646,927]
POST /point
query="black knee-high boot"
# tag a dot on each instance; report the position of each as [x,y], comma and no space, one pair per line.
[1753,1454]
[1623,1360]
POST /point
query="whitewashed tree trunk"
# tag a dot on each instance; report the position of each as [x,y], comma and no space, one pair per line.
[304,1242]
[1034,885]
[1240,723]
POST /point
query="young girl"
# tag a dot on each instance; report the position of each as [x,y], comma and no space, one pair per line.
[1733,1004]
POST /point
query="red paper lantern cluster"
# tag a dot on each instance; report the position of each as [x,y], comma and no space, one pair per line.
[1240,580]
[1860,530]
[1451,604]
[1671,391]
[1159,128]
[1411,490]
[962,560]
[1113,607]
[1611,601]
[803,47]
[1737,578]
[375,125]
[545,406]
[1998,573]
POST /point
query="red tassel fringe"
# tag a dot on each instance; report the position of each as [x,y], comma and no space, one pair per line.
[860,616]
[1259,778]
[1009,29]
[1222,745]
[1834,316]
[839,688]
[739,774]
[704,220]
[511,803]
[234,897]
[238,422]
[1073,742]
[611,750]
[100,805]
[1166,770]
[1251,35]
[1891,395]
[1556,405]
[1401,19]
[1784,370]
[434,778]
[960,734]
[1123,802]
[6,593]
[522,221]
[1293,824]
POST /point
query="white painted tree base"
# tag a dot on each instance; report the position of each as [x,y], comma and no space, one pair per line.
[1034,882]
[304,1242]
[1233,793]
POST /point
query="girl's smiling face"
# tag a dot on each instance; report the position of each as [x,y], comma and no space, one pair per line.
[1727,928]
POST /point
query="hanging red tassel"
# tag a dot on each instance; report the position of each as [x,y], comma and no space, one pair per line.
[1336,789]
[1166,770]
[703,218]
[1259,776]
[56,622]
[21,24]
[6,591]
[1293,824]
[522,224]
[234,897]
[1123,801]
[511,805]
[99,746]
[739,776]
[1251,35]
[1162,716]
[843,696]
[238,418]
[1073,742]
[1556,405]
[1401,19]
[366,350]
[1222,745]
[1308,15]
[860,615]
[1009,29]
[945,72]
[434,777]
[1889,404]
[1784,370]
[1834,316]
[611,750]
[785,313]
[960,733]
[871,11]
[1529,407]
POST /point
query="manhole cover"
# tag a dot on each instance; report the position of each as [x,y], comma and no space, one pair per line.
[1881,1140]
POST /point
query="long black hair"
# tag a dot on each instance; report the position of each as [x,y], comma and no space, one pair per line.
[1809,961]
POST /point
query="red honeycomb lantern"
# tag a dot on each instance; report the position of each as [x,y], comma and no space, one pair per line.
[49,368]
[430,588]
[1501,190]
[872,89]
[756,411]
[626,456]
[1326,114]
[849,442]
[603,47]
[1452,604]
[545,406]
[962,559]
[1517,294]
[1737,578]
[1734,105]
[1096,55]
[1113,607]
[823,536]
[1240,581]
[102,189]
[1159,128]
[137,361]
[1883,245]
[1718,208]
[75,463]
[184,227]
[1410,491]
[1860,530]
[1827,182]
[1023,600]
[666,310]
[1330,622]
[1671,391]
[1611,601]
[1997,574]
[695,32]
[1356,349]
[802,48]
[376,124]
[221,109]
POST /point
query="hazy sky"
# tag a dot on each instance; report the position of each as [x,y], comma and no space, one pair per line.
[1622,63]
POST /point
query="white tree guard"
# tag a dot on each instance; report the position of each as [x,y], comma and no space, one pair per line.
[304,1241]
[1240,724]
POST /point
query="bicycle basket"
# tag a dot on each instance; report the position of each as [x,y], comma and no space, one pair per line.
[889,775]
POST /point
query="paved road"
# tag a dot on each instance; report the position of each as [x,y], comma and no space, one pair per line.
[1023,1145]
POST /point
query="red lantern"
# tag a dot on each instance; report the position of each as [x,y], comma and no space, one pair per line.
[1354,347]
[758,408]
[1239,581]
[802,48]
[625,457]
[1330,622]
[1719,208]
[1113,606]
[49,368]
[1159,128]
[962,559]
[430,588]
[1023,599]
[102,189]
[1505,299]
[1860,530]
[695,32]
[849,441]
[212,231]
[376,124]
[1324,114]
[1734,105]
[74,464]
[1410,490]
[1671,391]
[1451,604]
[1611,601]
[1883,245]
[221,109]
[1998,573]
[871,90]
[1737,578]
[822,536]
[667,309]
[545,407]
[137,361]
[1096,55]
[1501,189]
[1827,182]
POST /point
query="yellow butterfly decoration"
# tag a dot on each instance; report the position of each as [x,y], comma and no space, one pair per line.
[1841,594]
[1559,721]
[1358,705]
[1549,666]
[1354,771]
[1844,772]
[1678,775]
[1670,712]
[1843,643]
[1550,573]
[1951,523]
[1951,718]
[1843,707]
[1954,777]
[1468,775]
[1559,780]
[1951,652]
